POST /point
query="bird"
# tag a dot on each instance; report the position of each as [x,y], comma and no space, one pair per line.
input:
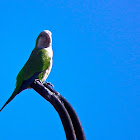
[37,67]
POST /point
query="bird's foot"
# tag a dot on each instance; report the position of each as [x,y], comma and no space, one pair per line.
[38,80]
[49,84]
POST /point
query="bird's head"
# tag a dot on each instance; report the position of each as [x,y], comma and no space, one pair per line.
[44,39]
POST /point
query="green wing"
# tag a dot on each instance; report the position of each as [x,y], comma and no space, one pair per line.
[38,61]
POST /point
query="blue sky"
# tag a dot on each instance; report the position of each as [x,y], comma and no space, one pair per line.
[96,66]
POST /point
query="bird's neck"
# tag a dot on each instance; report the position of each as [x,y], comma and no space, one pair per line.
[50,51]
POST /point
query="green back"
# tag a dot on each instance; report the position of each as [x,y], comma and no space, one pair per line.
[38,61]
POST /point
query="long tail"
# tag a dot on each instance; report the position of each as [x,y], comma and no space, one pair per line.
[10,99]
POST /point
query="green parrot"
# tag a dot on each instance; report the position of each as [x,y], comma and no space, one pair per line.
[38,65]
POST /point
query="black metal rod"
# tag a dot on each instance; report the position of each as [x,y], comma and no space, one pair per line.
[58,105]
[80,135]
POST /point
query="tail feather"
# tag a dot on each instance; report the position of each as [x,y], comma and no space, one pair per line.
[24,85]
[10,99]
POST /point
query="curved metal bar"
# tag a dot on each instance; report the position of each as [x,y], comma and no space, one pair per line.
[58,105]
[80,135]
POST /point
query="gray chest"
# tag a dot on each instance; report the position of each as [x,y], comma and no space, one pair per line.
[47,72]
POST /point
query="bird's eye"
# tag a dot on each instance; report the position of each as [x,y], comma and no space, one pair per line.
[41,36]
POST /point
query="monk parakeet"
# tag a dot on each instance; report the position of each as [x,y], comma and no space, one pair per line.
[38,65]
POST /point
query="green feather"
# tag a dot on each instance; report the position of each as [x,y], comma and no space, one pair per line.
[35,67]
[38,62]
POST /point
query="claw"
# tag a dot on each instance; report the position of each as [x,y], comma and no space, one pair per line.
[38,80]
[48,83]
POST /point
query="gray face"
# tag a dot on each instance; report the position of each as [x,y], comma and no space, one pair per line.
[44,39]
